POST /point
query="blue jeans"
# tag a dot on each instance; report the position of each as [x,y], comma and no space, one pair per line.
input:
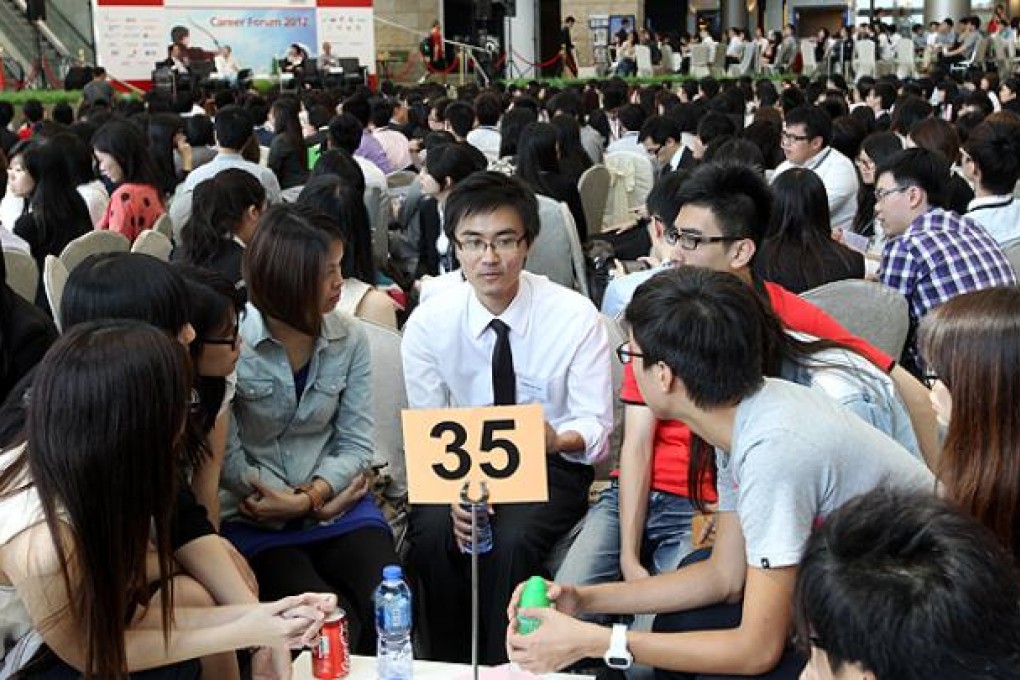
[595,555]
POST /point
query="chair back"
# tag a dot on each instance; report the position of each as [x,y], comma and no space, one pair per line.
[22,273]
[864,58]
[699,60]
[152,242]
[867,309]
[388,400]
[556,253]
[807,55]
[905,59]
[593,185]
[980,52]
[630,182]
[719,62]
[99,241]
[54,280]
[291,195]
[644,60]
[164,225]
[617,336]
[379,211]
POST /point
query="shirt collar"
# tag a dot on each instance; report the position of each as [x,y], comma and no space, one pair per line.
[990,202]
[815,161]
[517,315]
[255,331]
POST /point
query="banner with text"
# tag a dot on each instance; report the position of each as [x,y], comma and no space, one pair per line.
[132,35]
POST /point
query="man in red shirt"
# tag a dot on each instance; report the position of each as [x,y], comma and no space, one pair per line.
[641,525]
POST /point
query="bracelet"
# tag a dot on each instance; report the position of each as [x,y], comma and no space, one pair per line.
[318,500]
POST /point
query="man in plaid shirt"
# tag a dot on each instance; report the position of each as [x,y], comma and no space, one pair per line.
[932,254]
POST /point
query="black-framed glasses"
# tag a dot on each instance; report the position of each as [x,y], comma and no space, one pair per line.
[881,194]
[504,245]
[626,355]
[787,137]
[691,240]
[231,340]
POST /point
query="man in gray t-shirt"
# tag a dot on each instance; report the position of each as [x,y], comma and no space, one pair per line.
[787,456]
[796,456]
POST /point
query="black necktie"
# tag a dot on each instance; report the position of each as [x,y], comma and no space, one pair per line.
[504,383]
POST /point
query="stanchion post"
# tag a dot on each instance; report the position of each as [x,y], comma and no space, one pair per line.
[475,504]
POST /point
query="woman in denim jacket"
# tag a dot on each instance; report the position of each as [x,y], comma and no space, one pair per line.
[296,472]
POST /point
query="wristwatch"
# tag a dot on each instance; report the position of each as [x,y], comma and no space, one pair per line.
[618,656]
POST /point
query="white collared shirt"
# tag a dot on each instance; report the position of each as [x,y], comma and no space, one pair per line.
[486,139]
[1000,217]
[560,352]
[839,176]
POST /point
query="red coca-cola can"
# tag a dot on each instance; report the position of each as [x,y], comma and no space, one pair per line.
[331,657]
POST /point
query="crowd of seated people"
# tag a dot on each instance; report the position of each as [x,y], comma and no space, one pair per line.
[772,464]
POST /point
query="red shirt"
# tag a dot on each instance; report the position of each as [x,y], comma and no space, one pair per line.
[671,445]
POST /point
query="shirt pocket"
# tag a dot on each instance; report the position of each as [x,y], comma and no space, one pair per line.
[258,414]
[321,401]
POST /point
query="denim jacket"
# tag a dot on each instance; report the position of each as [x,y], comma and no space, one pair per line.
[283,442]
[858,385]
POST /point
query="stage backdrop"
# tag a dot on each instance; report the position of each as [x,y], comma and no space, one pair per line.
[132,35]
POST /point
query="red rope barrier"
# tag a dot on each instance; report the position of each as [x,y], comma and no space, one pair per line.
[499,62]
[54,83]
[544,64]
[3,76]
[443,72]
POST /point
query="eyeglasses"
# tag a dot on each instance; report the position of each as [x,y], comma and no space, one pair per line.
[504,245]
[931,377]
[881,194]
[654,152]
[691,240]
[231,341]
[625,355]
[788,137]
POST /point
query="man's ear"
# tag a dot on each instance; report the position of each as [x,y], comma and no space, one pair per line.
[741,253]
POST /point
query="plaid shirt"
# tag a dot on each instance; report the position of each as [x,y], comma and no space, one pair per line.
[938,257]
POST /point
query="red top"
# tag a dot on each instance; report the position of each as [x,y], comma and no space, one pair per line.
[672,441]
[132,209]
[436,36]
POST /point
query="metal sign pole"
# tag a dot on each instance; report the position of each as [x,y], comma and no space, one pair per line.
[475,504]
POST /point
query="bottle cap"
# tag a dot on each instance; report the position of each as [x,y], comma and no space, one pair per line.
[534,594]
[392,572]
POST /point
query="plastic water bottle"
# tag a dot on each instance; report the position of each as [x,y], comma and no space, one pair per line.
[395,658]
[483,524]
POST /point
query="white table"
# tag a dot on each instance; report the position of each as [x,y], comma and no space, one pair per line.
[363,668]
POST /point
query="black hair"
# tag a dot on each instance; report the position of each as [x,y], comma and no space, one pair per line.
[994,147]
[488,108]
[380,111]
[766,136]
[815,120]
[661,201]
[344,204]
[537,157]
[340,163]
[660,129]
[923,168]
[163,128]
[715,125]
[80,167]
[286,123]
[736,150]
[33,110]
[631,117]
[125,286]
[345,132]
[847,136]
[454,161]
[735,193]
[218,206]
[483,193]
[684,317]
[199,130]
[513,123]
[461,117]
[234,127]
[59,211]
[128,146]
[798,245]
[929,595]
[907,112]
[574,160]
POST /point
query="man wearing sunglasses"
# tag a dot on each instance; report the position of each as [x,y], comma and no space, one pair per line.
[642,525]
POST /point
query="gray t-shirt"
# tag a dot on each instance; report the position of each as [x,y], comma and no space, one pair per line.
[796,457]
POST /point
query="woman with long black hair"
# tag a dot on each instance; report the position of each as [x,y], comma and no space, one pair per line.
[122,152]
[538,164]
[56,213]
[288,156]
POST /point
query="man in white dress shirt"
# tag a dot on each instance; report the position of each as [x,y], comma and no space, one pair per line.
[451,355]
[806,136]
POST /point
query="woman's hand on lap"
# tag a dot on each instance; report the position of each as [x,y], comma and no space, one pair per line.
[346,499]
[267,504]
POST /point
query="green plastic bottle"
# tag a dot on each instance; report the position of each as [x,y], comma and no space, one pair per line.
[534,596]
